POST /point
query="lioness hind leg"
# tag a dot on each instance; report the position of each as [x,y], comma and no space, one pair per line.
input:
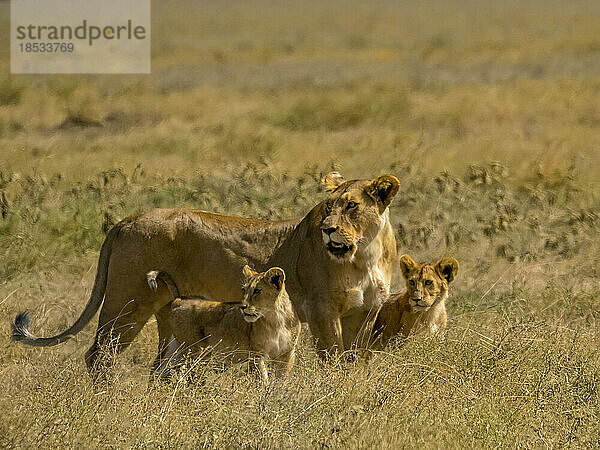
[116,331]
[170,360]
[165,333]
[107,345]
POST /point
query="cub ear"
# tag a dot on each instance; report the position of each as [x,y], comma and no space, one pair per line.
[332,180]
[383,190]
[275,276]
[447,268]
[407,265]
[248,272]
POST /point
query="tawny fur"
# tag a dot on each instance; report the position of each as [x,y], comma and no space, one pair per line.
[421,308]
[338,258]
[262,328]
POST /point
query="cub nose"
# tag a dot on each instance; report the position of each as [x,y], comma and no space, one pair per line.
[243,307]
[330,230]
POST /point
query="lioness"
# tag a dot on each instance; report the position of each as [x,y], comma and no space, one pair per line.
[422,307]
[338,260]
[263,327]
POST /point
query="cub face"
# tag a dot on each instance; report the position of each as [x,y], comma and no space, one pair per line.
[353,214]
[427,283]
[261,291]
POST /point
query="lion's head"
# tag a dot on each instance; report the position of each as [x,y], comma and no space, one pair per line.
[427,283]
[262,291]
[354,213]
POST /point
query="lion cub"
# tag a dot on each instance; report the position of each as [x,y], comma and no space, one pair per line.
[422,307]
[263,327]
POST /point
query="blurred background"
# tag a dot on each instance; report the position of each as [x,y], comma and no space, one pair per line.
[488,112]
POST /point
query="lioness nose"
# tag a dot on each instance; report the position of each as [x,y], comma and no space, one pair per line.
[242,307]
[330,230]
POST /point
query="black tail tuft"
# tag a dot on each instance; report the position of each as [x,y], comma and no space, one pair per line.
[20,327]
[151,278]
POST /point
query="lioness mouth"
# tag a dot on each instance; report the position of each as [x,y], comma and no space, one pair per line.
[251,317]
[337,249]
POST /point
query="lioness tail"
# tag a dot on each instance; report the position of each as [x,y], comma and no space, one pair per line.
[19,327]
[20,331]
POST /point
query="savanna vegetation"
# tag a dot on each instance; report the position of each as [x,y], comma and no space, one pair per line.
[487,112]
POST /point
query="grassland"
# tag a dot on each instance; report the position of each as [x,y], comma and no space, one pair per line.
[488,113]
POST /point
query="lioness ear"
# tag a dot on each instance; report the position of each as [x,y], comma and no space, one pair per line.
[276,277]
[248,272]
[407,265]
[383,190]
[447,268]
[332,180]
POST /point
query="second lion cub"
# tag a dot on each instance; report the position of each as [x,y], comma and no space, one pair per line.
[263,327]
[422,307]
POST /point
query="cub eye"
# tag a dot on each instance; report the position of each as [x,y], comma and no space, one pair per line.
[351,205]
[428,282]
[257,291]
[243,290]
[411,282]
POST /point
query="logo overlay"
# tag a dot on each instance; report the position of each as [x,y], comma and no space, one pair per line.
[80,36]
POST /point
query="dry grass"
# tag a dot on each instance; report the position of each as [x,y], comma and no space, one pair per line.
[489,115]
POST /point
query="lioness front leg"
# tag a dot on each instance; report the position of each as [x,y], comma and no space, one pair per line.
[327,331]
[365,334]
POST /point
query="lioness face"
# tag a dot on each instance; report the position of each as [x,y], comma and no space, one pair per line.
[261,292]
[427,283]
[354,213]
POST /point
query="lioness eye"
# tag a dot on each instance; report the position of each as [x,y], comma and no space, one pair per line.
[243,290]
[411,282]
[257,291]
[428,282]
[351,205]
